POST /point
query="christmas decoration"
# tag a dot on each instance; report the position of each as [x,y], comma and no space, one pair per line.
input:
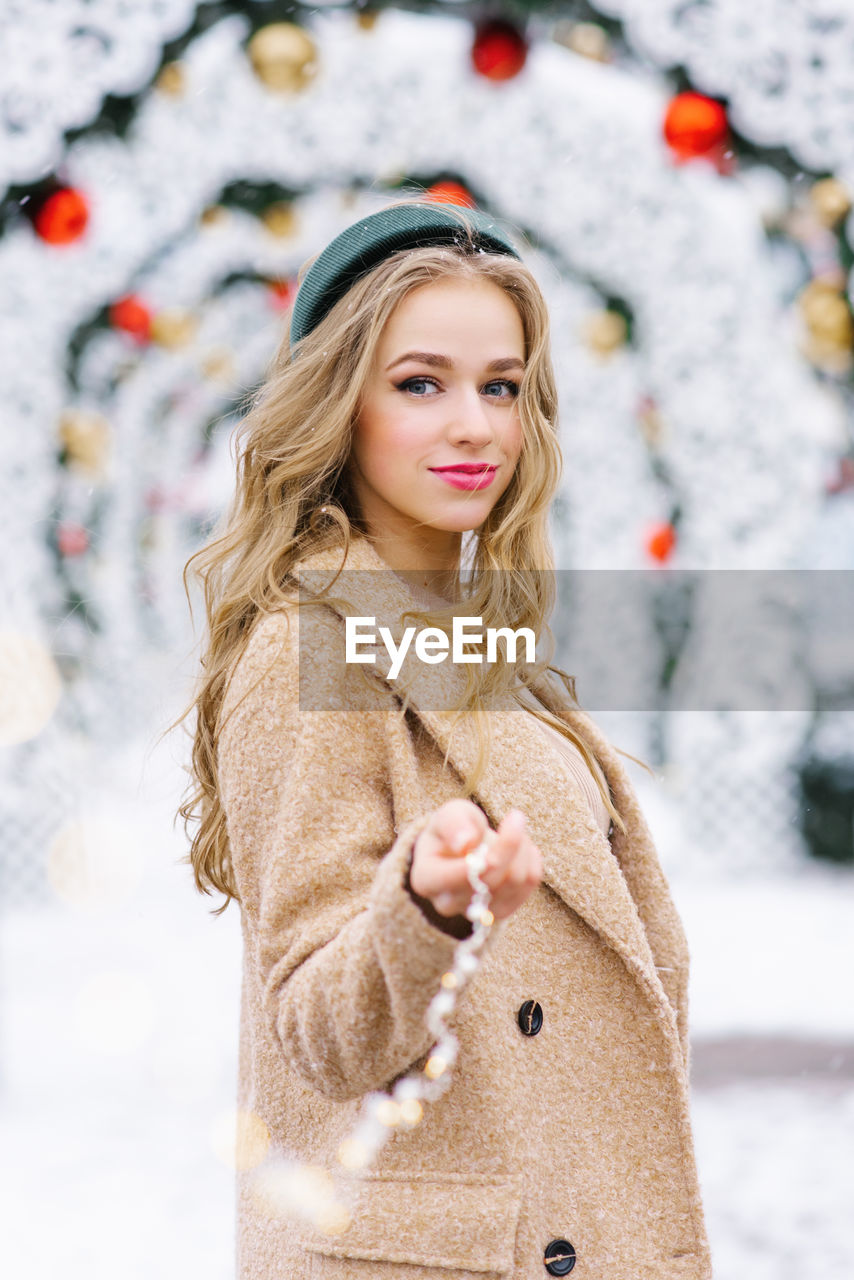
[171,80]
[283,57]
[219,366]
[278,1186]
[499,50]
[173,327]
[133,316]
[830,331]
[695,125]
[280,219]
[450,192]
[366,19]
[650,421]
[85,439]
[62,217]
[831,200]
[606,331]
[581,172]
[72,539]
[660,541]
[283,293]
[844,477]
[587,39]
[214,216]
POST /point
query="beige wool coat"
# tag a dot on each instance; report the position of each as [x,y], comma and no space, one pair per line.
[579,1133]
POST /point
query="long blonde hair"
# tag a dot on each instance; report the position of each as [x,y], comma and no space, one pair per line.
[292,498]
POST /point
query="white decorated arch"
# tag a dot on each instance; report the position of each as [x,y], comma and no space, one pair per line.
[570,151]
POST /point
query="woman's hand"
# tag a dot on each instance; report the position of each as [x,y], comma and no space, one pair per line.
[438,873]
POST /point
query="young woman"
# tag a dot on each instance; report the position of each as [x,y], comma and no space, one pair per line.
[414,403]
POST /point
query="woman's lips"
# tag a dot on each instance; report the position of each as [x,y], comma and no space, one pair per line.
[466,477]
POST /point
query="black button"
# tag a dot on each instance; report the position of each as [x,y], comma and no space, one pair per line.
[559,1257]
[530,1017]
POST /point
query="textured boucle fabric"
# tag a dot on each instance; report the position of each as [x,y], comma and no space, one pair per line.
[580,1132]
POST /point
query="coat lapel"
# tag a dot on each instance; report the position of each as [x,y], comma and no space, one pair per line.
[522,772]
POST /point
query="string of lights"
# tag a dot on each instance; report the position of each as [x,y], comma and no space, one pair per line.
[290,1188]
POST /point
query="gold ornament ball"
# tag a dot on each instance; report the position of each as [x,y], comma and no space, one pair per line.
[606,331]
[283,57]
[218,366]
[280,219]
[830,358]
[367,19]
[172,80]
[214,215]
[826,314]
[85,438]
[587,39]
[830,200]
[173,327]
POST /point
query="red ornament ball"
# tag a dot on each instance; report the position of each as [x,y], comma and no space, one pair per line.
[499,50]
[72,539]
[133,316]
[694,125]
[282,293]
[451,193]
[63,217]
[660,541]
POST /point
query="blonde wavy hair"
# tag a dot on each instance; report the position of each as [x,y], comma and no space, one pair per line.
[292,498]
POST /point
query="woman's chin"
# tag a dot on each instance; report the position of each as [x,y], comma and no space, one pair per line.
[460,521]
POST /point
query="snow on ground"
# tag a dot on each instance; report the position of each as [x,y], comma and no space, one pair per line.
[118,1042]
[777,1169]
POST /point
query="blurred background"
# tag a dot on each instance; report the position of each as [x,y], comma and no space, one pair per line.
[682,172]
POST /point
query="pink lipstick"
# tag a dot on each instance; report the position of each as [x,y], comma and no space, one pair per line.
[467,475]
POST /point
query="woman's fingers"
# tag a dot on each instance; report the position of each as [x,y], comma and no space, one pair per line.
[459,826]
[511,835]
[522,877]
[438,865]
[439,871]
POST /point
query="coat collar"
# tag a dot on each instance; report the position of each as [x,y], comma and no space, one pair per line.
[605,884]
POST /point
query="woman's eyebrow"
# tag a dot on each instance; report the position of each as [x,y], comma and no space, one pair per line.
[445,362]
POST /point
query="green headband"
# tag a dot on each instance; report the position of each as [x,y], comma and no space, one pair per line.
[359,248]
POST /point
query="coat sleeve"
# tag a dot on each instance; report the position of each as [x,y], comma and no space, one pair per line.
[347,961]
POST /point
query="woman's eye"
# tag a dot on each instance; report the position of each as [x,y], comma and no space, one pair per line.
[408,384]
[513,387]
[411,383]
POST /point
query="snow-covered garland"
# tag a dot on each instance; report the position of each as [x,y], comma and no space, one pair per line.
[285,1187]
[785,68]
[61,59]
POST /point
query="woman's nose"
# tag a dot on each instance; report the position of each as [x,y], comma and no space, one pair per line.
[470,420]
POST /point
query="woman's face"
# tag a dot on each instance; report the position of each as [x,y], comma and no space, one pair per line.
[438,434]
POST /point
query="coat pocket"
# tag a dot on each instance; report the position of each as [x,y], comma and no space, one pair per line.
[399,1226]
